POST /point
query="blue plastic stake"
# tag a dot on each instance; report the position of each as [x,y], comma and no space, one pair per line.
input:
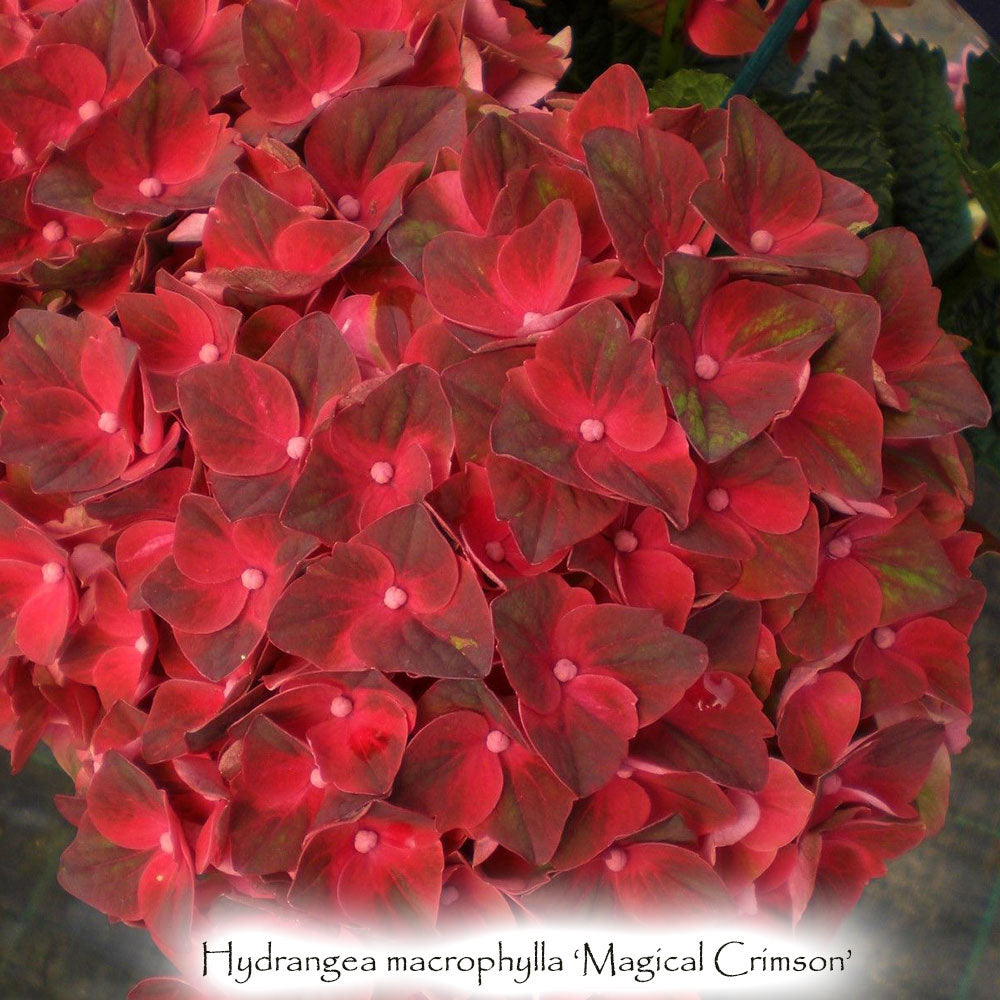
[771,44]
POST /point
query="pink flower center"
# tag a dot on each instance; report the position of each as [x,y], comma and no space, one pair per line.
[624,771]
[839,547]
[349,207]
[833,784]
[208,354]
[365,841]
[171,58]
[533,322]
[167,843]
[449,895]
[296,448]
[706,367]
[495,551]
[616,859]
[53,231]
[20,157]
[884,637]
[382,473]
[320,98]
[316,779]
[717,499]
[720,688]
[109,422]
[52,572]
[151,187]
[142,645]
[496,741]
[762,241]
[252,578]
[691,249]
[592,429]
[88,110]
[395,598]
[626,541]
[565,670]
[341,706]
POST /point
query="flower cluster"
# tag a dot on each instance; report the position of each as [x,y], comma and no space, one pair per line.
[433,529]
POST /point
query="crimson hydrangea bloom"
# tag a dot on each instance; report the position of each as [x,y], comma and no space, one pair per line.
[395,598]
[644,182]
[374,456]
[200,41]
[442,513]
[728,375]
[318,53]
[738,26]
[754,492]
[144,869]
[138,160]
[368,148]
[254,445]
[470,766]
[486,284]
[385,867]
[748,209]
[221,581]
[636,560]
[39,596]
[587,677]
[920,377]
[860,575]
[257,244]
[177,328]
[588,411]
[115,645]
[77,378]
[50,94]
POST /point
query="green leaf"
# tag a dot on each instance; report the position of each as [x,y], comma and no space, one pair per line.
[900,88]
[687,87]
[984,183]
[982,106]
[970,308]
[847,144]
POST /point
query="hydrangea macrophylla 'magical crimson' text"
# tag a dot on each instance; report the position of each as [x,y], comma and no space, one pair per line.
[405,520]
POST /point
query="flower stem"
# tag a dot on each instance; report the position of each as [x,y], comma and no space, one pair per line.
[671,43]
[771,44]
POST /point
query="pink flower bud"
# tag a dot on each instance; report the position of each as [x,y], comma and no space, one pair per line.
[109,422]
[382,473]
[395,598]
[565,670]
[762,241]
[497,742]
[717,499]
[706,367]
[341,706]
[365,841]
[592,430]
